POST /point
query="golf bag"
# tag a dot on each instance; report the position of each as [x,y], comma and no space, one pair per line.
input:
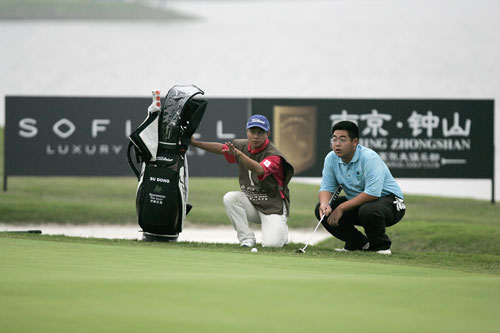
[160,144]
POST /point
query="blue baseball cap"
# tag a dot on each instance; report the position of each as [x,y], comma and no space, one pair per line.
[258,120]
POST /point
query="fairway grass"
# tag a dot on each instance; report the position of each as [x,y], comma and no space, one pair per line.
[60,285]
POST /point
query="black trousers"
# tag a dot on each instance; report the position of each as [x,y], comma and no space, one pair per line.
[373,216]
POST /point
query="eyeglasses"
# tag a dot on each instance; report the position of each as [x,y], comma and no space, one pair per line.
[341,140]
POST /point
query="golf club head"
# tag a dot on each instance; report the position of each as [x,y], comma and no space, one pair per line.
[300,251]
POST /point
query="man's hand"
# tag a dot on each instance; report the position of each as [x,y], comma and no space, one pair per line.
[335,216]
[231,149]
[325,209]
[250,164]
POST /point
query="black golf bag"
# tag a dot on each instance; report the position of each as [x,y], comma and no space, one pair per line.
[160,144]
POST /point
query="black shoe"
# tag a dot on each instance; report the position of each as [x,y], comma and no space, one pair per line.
[348,248]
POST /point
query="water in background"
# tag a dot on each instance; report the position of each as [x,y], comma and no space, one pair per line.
[330,49]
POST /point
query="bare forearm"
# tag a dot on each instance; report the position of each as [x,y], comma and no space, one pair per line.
[250,164]
[324,197]
[213,147]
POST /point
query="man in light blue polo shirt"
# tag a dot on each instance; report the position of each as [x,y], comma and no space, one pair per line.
[373,199]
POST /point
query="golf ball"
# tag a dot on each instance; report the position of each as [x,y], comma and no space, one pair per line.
[254,250]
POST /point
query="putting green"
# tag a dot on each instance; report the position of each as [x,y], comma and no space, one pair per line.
[48,286]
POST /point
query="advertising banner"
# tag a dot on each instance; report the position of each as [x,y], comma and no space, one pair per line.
[416,138]
[88,136]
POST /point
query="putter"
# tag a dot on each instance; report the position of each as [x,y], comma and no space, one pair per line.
[332,199]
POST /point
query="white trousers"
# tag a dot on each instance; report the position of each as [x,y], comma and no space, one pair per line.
[240,211]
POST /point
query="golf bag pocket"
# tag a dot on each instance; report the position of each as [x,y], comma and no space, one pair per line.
[158,200]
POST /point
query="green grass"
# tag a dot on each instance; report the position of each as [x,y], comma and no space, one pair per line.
[68,200]
[112,200]
[459,232]
[85,10]
[443,274]
[63,284]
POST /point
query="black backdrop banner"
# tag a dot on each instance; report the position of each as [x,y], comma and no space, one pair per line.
[416,138]
[88,136]
[84,136]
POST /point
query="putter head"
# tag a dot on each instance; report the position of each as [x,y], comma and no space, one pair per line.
[300,251]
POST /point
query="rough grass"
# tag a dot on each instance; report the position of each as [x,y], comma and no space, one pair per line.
[112,200]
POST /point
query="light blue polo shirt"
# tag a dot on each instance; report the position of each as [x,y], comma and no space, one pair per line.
[366,172]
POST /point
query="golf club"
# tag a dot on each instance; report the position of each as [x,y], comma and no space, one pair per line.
[332,199]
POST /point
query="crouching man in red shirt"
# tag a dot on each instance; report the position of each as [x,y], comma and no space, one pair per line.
[264,174]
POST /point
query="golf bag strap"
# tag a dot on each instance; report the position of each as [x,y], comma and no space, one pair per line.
[130,162]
